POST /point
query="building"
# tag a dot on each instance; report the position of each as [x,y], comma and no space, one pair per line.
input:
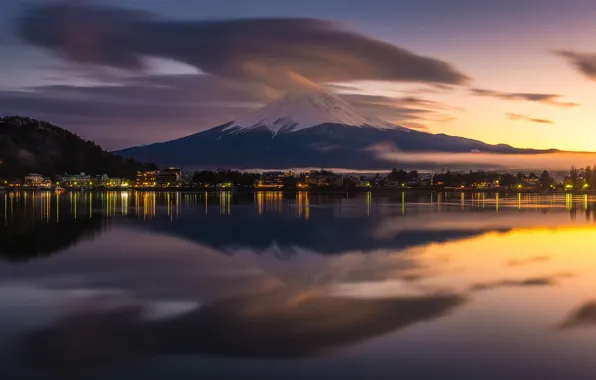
[176,171]
[270,183]
[167,179]
[366,184]
[323,179]
[34,180]
[488,184]
[271,180]
[531,183]
[187,178]
[425,182]
[104,180]
[147,179]
[75,180]
[114,182]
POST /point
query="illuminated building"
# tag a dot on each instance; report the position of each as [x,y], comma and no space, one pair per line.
[104,180]
[114,182]
[175,171]
[75,180]
[531,183]
[165,179]
[34,179]
[147,179]
[225,186]
[491,184]
[168,177]
[270,184]
[271,180]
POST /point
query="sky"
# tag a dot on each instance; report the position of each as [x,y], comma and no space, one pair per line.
[130,72]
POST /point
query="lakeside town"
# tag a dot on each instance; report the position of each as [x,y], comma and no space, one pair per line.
[576,179]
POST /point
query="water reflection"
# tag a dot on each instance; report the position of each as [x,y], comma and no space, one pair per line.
[39,224]
[268,326]
[584,316]
[480,285]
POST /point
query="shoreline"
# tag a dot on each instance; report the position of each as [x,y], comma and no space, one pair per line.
[315,191]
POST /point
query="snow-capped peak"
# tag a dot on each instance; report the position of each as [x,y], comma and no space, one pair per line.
[306,109]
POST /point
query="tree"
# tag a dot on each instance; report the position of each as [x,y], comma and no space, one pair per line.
[574,176]
[545,180]
[400,176]
[508,180]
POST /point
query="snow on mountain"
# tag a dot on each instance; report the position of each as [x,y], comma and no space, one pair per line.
[306,109]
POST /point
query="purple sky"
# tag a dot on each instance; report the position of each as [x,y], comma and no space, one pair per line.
[134,72]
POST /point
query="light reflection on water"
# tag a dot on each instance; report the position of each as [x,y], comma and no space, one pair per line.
[415,285]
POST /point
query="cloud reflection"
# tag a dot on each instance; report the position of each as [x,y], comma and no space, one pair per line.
[584,316]
[268,326]
[537,281]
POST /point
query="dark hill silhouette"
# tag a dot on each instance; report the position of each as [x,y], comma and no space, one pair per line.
[28,145]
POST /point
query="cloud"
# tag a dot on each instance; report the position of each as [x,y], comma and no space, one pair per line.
[266,50]
[531,161]
[240,65]
[517,116]
[178,105]
[550,99]
[165,106]
[408,111]
[585,63]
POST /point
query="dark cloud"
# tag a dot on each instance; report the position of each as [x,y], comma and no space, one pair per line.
[517,116]
[269,50]
[178,105]
[242,64]
[165,106]
[584,316]
[530,282]
[550,99]
[585,63]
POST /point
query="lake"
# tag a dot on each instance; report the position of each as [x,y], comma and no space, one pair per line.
[414,285]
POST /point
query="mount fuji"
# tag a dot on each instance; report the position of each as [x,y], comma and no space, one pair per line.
[302,129]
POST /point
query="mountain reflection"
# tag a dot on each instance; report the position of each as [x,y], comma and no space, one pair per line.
[322,234]
[337,224]
[38,225]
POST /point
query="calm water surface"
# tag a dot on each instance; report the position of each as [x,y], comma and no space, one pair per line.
[271,286]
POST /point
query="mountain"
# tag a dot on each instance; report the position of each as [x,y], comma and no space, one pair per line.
[298,111]
[32,146]
[304,129]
